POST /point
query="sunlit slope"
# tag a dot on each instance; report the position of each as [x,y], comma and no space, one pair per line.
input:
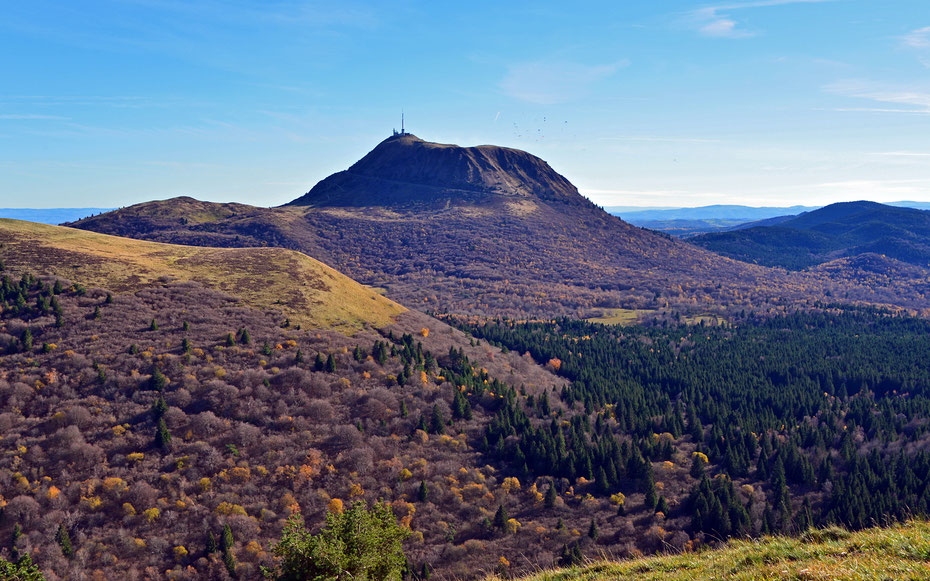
[305,290]
[898,552]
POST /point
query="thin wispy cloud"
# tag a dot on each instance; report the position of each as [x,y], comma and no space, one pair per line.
[876,110]
[902,154]
[919,38]
[875,189]
[549,83]
[718,21]
[909,99]
[919,41]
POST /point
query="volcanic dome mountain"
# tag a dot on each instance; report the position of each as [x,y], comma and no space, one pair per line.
[483,230]
[405,171]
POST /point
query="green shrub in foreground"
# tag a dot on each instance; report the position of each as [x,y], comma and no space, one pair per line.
[359,544]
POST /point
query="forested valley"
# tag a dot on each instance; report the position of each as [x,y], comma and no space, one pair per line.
[789,422]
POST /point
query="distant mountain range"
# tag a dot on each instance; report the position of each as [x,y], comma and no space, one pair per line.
[836,231]
[484,231]
[687,222]
[715,212]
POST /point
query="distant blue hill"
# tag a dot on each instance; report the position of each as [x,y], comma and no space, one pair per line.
[715,212]
[688,222]
[836,231]
[50,215]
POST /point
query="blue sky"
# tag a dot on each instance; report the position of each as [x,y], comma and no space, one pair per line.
[665,103]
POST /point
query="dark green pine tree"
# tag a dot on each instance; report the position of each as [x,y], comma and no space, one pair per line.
[697,466]
[422,492]
[158,380]
[162,435]
[226,540]
[299,357]
[549,501]
[14,538]
[101,374]
[159,408]
[651,498]
[330,364]
[592,531]
[603,486]
[500,518]
[437,423]
[319,363]
[662,506]
[153,326]
[229,560]
[211,543]
[64,541]
[461,408]
[230,340]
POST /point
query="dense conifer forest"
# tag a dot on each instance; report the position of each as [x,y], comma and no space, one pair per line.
[806,419]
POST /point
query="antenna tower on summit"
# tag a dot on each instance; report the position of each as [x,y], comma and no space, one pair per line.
[402,130]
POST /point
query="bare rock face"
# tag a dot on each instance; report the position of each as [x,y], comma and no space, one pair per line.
[405,171]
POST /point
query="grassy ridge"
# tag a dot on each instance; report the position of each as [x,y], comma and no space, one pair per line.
[898,552]
[305,290]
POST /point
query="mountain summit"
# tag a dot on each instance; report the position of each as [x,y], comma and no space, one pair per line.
[403,170]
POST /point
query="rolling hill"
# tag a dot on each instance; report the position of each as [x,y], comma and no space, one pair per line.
[303,289]
[837,231]
[483,230]
[153,395]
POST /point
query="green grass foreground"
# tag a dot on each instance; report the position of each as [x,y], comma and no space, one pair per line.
[897,552]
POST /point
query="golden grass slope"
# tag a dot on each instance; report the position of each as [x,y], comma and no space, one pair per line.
[898,552]
[305,290]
